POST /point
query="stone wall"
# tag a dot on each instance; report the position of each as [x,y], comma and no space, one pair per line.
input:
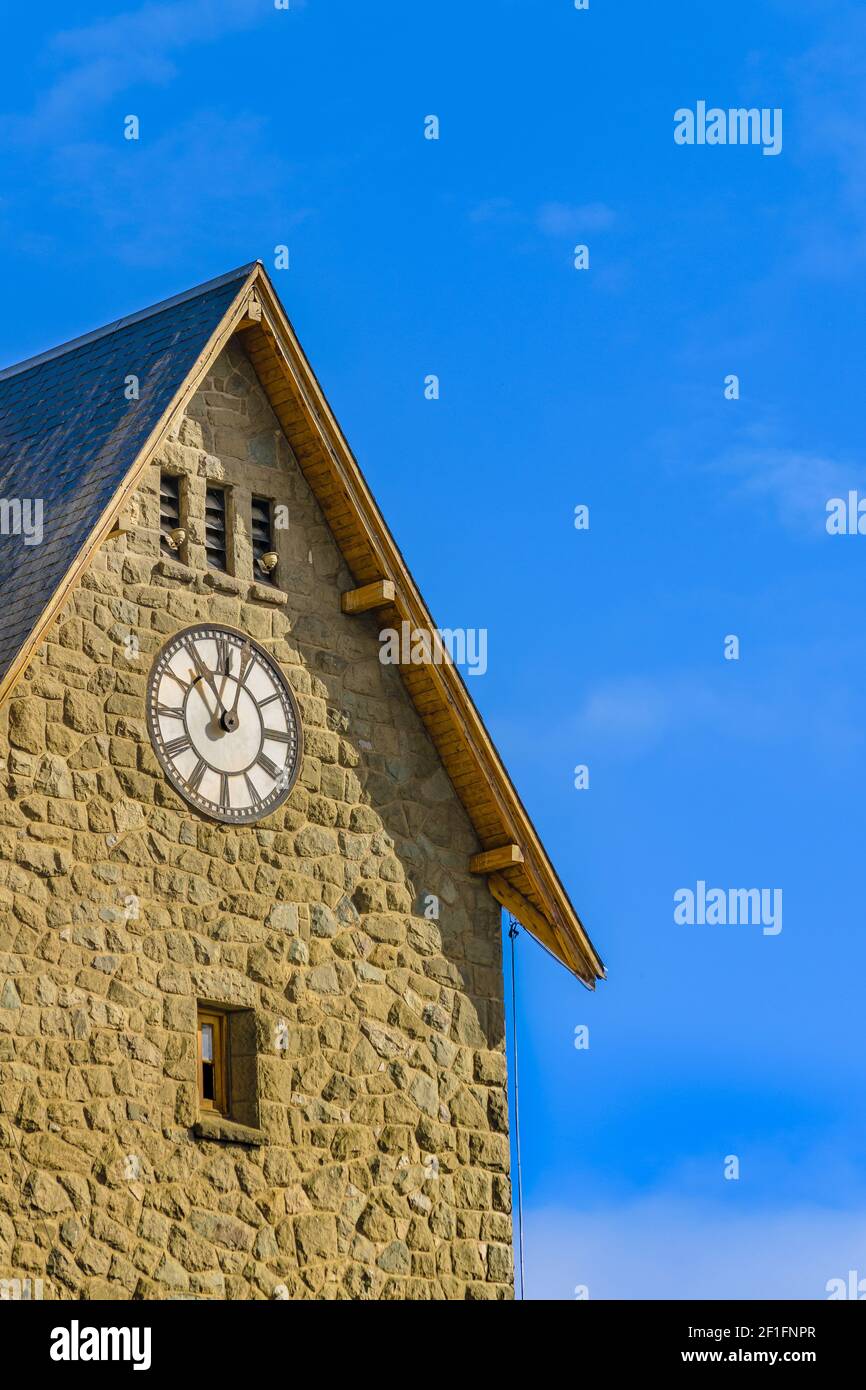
[379,1065]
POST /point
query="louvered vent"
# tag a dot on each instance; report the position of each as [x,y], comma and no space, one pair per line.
[262,535]
[215,528]
[169,510]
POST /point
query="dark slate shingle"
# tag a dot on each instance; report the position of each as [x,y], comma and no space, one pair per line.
[69,436]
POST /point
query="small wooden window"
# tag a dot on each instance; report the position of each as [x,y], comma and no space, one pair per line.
[213,1061]
[215,528]
[169,511]
[262,536]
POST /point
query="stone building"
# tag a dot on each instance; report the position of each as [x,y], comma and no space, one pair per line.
[251,877]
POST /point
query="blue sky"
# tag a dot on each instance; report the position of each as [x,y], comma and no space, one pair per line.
[559,387]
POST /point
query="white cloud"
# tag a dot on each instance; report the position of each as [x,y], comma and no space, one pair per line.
[99,61]
[494,210]
[802,696]
[798,483]
[665,1247]
[637,712]
[181,189]
[831,228]
[552,219]
[566,219]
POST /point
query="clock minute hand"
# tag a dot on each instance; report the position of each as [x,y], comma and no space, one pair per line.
[229,717]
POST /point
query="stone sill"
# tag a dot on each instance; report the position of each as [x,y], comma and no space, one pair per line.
[267,593]
[173,569]
[222,583]
[223,1131]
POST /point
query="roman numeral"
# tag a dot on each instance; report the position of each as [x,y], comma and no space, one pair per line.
[184,685]
[192,653]
[255,799]
[268,701]
[169,712]
[178,745]
[270,768]
[278,736]
[223,656]
[197,773]
[224,789]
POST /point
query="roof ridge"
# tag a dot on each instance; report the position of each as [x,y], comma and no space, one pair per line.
[29,362]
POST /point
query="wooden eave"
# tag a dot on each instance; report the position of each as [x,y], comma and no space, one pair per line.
[532,888]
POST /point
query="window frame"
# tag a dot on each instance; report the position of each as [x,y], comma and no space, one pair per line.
[260,575]
[218,1020]
[180,479]
[225,490]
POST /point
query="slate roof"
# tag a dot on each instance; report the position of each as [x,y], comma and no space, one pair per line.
[69,436]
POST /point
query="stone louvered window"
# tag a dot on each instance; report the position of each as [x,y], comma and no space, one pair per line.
[262,533]
[169,511]
[216,528]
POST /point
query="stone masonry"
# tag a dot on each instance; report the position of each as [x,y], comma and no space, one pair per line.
[377,1074]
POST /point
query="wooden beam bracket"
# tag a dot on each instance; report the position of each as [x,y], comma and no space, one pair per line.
[534,921]
[252,313]
[122,523]
[376,595]
[492,860]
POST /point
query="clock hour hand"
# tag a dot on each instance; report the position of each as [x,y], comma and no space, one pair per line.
[229,717]
[206,676]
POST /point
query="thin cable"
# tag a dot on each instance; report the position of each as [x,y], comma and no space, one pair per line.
[513,934]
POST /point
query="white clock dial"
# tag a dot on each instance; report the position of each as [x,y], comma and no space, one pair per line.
[224,723]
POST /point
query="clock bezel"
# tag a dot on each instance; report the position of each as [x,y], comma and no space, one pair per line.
[203,805]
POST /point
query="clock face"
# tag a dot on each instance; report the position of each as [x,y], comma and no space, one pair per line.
[224,723]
